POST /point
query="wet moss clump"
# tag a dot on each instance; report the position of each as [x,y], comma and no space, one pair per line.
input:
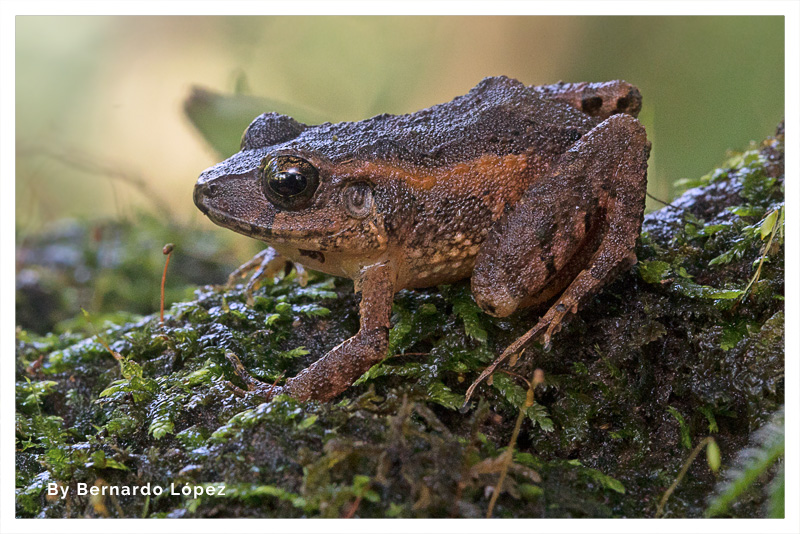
[688,344]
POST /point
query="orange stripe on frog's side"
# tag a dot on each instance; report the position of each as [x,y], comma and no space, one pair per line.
[498,179]
[383,171]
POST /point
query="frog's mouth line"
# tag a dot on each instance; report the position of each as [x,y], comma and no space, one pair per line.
[310,239]
[257,226]
[242,226]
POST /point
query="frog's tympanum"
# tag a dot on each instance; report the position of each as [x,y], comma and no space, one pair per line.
[535,193]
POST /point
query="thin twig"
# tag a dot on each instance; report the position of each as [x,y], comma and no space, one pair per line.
[516,375]
[661,201]
[83,161]
[508,454]
[117,356]
[681,474]
[353,508]
[756,276]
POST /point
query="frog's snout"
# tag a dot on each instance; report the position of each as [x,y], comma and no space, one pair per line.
[202,192]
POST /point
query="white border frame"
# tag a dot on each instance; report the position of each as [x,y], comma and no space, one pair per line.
[10,8]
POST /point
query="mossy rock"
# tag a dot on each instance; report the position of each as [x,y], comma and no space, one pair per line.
[689,343]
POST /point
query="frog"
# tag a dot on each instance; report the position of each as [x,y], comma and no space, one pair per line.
[535,194]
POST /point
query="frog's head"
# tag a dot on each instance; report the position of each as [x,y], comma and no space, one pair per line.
[284,189]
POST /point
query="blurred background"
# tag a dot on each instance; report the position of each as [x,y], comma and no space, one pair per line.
[117,116]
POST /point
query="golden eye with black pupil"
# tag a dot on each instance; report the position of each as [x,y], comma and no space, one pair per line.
[288,182]
[358,200]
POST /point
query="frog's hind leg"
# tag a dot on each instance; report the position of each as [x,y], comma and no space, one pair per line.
[599,100]
[582,220]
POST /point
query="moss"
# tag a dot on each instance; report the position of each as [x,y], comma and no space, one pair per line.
[688,343]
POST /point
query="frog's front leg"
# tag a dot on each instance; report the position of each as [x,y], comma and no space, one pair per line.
[339,368]
[343,365]
[572,231]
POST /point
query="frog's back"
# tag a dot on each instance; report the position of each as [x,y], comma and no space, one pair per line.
[499,116]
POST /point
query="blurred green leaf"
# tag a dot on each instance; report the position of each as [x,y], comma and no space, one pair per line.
[222,119]
[768,226]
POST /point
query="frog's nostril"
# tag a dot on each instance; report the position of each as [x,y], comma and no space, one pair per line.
[201,193]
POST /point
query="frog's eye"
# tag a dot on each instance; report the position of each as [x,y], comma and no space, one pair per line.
[288,182]
[358,199]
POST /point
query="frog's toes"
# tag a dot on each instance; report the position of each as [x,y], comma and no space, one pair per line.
[262,390]
[302,275]
[250,265]
[254,386]
[236,390]
[266,391]
[555,323]
[265,266]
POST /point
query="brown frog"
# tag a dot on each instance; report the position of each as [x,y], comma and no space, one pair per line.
[536,193]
